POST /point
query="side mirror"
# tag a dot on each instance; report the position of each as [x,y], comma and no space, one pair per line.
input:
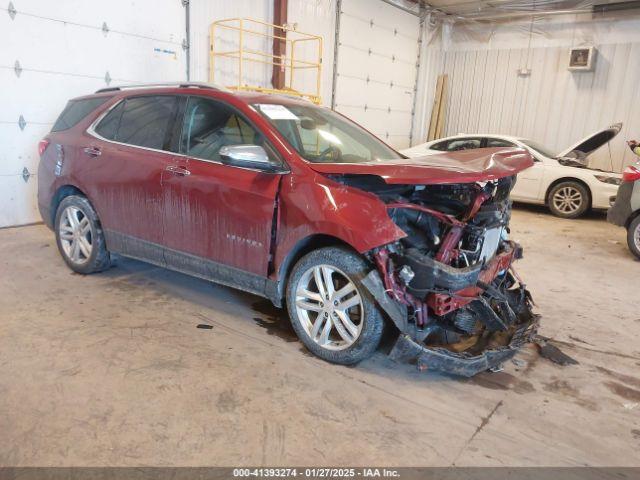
[247,156]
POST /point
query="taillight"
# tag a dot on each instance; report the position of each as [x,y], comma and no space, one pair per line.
[631,174]
[42,146]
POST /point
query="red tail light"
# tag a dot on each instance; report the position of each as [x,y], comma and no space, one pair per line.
[42,146]
[631,174]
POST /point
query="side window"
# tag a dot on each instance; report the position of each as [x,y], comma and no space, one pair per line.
[145,120]
[464,144]
[497,142]
[440,146]
[108,126]
[209,125]
[75,111]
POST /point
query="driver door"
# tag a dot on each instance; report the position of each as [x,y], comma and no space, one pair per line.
[217,215]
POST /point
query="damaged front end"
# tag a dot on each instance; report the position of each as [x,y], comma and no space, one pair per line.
[449,285]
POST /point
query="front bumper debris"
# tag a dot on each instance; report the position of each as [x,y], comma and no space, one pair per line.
[466,365]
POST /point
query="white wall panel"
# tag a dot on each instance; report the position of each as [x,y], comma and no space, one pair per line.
[377,68]
[64,53]
[319,18]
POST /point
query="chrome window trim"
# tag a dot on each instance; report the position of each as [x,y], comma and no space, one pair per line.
[91,131]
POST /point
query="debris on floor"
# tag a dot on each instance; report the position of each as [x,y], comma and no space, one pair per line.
[553,353]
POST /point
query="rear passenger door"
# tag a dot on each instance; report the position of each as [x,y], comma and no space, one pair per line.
[214,211]
[125,160]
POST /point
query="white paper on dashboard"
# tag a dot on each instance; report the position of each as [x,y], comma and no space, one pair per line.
[277,112]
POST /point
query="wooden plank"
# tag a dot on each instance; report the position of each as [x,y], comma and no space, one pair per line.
[435,109]
[442,107]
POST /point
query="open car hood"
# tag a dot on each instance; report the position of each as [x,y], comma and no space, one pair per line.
[466,166]
[588,145]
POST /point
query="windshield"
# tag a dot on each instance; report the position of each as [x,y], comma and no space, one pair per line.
[540,148]
[322,136]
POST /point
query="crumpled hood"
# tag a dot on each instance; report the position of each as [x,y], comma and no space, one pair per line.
[466,166]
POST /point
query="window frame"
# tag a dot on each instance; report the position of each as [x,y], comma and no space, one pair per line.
[174,132]
[179,126]
[485,143]
[167,137]
[465,139]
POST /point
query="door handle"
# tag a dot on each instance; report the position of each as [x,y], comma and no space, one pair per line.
[177,170]
[93,151]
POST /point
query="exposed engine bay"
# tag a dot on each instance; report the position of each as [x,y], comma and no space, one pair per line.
[449,285]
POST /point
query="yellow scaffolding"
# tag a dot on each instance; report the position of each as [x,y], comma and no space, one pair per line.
[246,27]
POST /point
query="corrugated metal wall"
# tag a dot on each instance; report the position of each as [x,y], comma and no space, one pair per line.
[63,50]
[553,105]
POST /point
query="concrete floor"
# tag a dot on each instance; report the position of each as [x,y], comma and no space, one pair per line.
[110,369]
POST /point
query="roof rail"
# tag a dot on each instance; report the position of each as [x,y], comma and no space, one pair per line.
[156,85]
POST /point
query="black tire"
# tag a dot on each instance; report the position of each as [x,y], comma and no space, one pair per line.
[633,236]
[354,268]
[99,258]
[569,186]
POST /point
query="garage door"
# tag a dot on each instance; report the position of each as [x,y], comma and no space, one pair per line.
[53,51]
[377,61]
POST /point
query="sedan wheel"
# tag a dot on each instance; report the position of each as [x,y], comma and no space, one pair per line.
[76,236]
[568,199]
[329,307]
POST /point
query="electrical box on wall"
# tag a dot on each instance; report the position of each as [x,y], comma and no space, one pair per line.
[582,58]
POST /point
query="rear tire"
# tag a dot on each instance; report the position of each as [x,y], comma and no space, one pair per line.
[633,236]
[569,199]
[80,237]
[339,320]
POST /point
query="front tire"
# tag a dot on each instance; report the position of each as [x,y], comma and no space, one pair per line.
[331,311]
[633,236]
[569,199]
[79,236]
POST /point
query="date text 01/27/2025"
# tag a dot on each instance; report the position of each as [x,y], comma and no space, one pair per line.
[316,472]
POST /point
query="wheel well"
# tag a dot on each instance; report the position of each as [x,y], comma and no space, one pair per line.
[61,194]
[631,218]
[301,248]
[567,179]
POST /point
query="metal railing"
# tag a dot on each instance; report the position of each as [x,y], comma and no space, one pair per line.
[247,27]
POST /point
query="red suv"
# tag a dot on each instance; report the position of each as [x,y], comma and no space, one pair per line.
[296,203]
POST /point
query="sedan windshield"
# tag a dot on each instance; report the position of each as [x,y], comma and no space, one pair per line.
[322,136]
[539,148]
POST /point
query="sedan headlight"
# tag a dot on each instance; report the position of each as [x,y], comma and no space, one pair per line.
[610,180]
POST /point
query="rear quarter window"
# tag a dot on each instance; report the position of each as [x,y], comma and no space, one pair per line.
[75,111]
[140,121]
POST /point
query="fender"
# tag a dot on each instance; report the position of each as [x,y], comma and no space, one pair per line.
[351,216]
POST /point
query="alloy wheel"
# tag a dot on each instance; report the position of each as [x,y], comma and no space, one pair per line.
[76,236]
[636,237]
[567,200]
[329,307]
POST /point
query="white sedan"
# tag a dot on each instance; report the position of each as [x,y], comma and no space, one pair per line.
[562,181]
